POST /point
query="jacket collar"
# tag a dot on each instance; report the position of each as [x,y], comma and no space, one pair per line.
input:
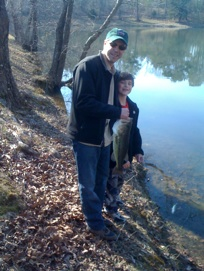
[106,64]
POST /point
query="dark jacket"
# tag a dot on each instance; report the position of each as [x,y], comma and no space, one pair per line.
[135,141]
[90,108]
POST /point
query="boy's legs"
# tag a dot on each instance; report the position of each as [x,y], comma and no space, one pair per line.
[120,184]
[113,189]
[111,193]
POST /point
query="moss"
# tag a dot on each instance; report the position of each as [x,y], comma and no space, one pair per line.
[9,196]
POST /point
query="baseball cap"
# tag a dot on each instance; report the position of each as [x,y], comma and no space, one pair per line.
[117,34]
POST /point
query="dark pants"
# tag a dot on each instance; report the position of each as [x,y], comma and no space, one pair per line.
[113,189]
[93,168]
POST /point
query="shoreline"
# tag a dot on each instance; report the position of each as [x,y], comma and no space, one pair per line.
[143,23]
[151,23]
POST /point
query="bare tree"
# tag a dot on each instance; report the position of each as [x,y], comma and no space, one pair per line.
[8,88]
[16,9]
[98,32]
[54,77]
[61,44]
[25,32]
[137,11]
[30,42]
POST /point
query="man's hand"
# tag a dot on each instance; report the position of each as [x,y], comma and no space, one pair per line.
[126,165]
[124,113]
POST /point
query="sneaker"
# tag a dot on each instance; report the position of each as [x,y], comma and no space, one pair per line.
[119,201]
[107,222]
[104,234]
[117,217]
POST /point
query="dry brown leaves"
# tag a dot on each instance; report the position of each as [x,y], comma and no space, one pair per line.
[49,233]
[43,230]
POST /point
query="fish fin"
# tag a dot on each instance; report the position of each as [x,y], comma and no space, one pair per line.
[117,171]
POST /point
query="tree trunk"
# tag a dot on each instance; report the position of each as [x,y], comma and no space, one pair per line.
[137,11]
[9,93]
[61,44]
[92,38]
[166,9]
[15,8]
[30,42]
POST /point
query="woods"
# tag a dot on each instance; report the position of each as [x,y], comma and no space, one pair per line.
[26,17]
[61,46]
[9,91]
[29,19]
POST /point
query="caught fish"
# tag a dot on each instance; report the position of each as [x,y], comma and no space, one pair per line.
[121,135]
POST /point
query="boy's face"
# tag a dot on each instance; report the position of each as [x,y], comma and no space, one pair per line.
[124,87]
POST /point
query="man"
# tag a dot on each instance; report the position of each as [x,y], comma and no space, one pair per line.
[94,103]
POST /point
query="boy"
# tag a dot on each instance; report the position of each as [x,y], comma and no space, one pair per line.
[115,182]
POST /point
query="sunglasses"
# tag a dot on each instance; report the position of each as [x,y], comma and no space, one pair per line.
[114,44]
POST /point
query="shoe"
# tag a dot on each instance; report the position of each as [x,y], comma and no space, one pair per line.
[119,201]
[107,222]
[117,217]
[104,234]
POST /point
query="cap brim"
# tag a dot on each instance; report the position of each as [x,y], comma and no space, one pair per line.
[117,38]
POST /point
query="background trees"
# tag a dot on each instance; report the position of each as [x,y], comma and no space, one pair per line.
[9,93]
[23,14]
[98,32]
[30,41]
[32,22]
[61,45]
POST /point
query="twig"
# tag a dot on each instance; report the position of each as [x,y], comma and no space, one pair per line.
[121,230]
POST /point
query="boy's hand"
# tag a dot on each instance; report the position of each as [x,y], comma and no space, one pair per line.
[139,158]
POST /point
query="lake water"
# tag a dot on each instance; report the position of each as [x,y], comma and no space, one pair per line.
[168,66]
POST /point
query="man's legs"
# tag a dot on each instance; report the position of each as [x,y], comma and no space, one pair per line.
[92,165]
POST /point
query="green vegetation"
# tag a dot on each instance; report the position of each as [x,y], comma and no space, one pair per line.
[9,196]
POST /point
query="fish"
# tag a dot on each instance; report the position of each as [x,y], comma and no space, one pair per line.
[121,134]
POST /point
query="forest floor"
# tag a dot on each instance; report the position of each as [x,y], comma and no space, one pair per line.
[41,224]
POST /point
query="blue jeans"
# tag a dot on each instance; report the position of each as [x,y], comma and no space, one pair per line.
[93,168]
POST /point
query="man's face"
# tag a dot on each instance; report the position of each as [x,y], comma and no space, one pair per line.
[114,50]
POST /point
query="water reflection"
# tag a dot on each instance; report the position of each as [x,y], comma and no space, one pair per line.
[184,212]
[175,54]
[172,125]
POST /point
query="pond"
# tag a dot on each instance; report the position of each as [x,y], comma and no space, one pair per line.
[168,65]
